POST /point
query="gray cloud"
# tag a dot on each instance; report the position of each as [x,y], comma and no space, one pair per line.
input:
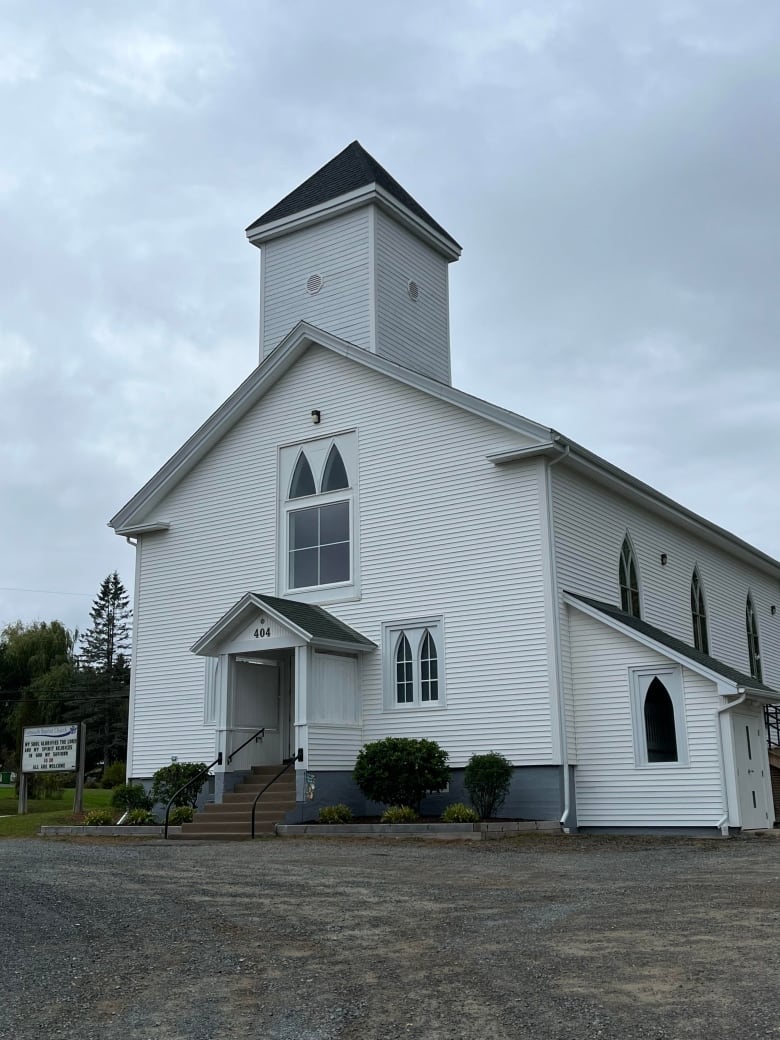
[610,169]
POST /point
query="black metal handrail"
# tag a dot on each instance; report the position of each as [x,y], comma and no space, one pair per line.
[287,763]
[255,736]
[217,762]
[772,719]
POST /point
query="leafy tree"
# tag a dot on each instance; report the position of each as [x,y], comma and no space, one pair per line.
[401,771]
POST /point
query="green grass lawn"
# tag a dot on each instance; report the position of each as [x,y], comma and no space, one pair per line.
[49,811]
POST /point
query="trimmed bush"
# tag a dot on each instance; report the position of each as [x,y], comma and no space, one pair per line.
[487,778]
[401,771]
[139,818]
[335,814]
[99,818]
[130,796]
[459,813]
[399,814]
[181,814]
[168,780]
[113,775]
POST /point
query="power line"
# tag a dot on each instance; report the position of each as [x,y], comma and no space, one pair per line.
[45,592]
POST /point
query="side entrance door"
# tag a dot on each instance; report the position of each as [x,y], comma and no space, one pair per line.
[752,767]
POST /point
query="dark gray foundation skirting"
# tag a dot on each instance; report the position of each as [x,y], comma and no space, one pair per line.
[536,793]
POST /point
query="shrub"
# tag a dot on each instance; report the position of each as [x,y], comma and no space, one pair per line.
[181,814]
[168,780]
[98,818]
[113,775]
[459,813]
[130,796]
[400,770]
[399,814]
[139,818]
[487,778]
[335,814]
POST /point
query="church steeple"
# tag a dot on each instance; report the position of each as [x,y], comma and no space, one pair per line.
[352,252]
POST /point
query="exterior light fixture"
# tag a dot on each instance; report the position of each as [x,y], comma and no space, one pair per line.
[664,559]
[315,416]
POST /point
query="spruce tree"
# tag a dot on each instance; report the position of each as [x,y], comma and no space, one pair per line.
[105,671]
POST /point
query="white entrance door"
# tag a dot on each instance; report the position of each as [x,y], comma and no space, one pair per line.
[751,767]
[256,704]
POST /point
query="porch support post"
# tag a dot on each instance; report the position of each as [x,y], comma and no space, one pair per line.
[301,729]
[223,724]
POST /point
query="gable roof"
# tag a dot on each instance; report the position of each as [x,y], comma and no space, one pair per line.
[313,624]
[351,169]
[130,519]
[695,659]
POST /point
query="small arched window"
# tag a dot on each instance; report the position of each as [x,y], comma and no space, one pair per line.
[699,615]
[754,653]
[629,585]
[334,477]
[404,673]
[660,731]
[302,483]
[429,669]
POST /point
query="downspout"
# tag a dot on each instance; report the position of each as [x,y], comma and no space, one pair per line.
[564,821]
[723,822]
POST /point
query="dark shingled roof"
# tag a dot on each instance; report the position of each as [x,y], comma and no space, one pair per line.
[351,169]
[675,644]
[315,621]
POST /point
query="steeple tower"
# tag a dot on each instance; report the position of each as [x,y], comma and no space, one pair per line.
[351,252]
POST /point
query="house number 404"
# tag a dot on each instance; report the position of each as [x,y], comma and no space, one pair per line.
[261,633]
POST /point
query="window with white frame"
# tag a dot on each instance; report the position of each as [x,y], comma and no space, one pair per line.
[658,712]
[627,577]
[754,650]
[317,522]
[413,654]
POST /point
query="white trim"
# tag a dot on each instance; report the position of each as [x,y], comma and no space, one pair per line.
[640,679]
[141,529]
[414,630]
[133,661]
[372,286]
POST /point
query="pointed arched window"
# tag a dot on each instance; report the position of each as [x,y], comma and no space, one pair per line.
[754,654]
[302,482]
[404,673]
[699,615]
[334,477]
[660,730]
[429,669]
[629,585]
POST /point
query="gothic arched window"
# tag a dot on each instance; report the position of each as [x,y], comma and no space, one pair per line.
[629,585]
[660,731]
[699,615]
[754,653]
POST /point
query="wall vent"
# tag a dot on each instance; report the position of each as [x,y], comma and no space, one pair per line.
[414,291]
[314,284]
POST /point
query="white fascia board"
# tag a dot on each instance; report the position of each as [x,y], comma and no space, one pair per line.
[247,605]
[338,644]
[649,498]
[363,196]
[535,451]
[721,681]
[136,530]
[269,371]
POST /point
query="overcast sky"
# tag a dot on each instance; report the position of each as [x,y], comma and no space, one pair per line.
[612,170]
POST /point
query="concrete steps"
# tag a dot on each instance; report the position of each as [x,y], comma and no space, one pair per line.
[231,820]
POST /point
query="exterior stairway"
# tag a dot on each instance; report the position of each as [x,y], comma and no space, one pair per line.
[232,819]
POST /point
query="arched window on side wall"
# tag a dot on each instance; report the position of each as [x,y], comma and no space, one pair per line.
[754,653]
[629,584]
[660,731]
[699,615]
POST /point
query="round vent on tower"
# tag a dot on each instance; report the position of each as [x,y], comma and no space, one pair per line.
[414,291]
[313,284]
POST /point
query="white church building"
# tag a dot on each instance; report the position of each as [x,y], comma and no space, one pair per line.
[350,548]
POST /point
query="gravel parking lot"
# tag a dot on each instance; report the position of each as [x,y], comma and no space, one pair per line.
[546,937]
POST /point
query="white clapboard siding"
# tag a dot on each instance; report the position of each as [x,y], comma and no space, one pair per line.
[338,251]
[611,790]
[443,533]
[413,333]
[590,524]
[333,747]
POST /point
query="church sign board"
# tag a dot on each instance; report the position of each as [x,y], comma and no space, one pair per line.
[49,749]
